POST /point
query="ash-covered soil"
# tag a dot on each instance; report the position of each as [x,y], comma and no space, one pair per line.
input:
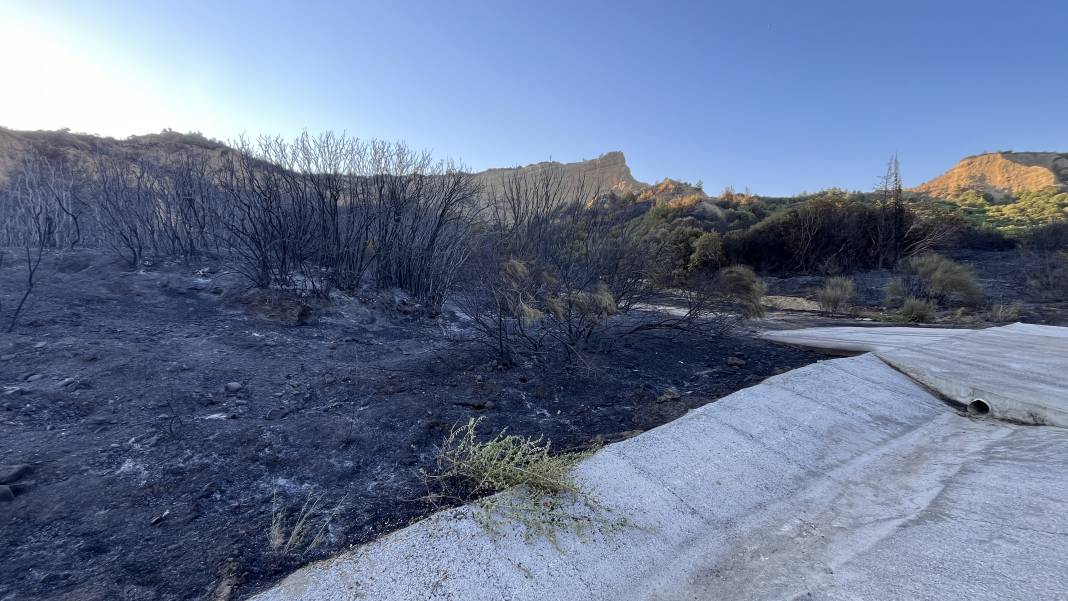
[1002,276]
[150,480]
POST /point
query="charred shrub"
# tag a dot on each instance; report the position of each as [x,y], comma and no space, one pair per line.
[558,270]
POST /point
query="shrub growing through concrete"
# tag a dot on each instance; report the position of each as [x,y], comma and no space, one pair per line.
[503,462]
[542,496]
[835,294]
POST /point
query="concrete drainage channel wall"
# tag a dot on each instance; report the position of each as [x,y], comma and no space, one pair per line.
[841,480]
[1017,372]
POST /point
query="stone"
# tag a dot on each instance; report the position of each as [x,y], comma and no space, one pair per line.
[66,382]
[11,473]
[671,394]
[34,377]
[40,345]
[233,387]
[735,361]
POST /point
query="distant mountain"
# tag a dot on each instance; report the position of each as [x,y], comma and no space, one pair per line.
[607,172]
[1001,174]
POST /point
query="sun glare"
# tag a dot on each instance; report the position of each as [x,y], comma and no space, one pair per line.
[55,80]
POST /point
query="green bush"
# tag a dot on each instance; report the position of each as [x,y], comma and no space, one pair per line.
[942,279]
[707,253]
[917,310]
[835,294]
[502,462]
[895,293]
[745,287]
[837,231]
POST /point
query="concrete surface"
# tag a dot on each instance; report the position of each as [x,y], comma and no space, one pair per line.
[1017,372]
[842,480]
[849,340]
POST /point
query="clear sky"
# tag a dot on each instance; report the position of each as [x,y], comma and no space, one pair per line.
[781,97]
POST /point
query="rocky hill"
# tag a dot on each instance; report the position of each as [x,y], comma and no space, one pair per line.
[607,172]
[1001,174]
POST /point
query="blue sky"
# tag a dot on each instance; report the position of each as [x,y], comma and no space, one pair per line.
[780,97]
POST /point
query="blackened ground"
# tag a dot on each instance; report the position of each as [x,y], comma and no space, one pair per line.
[1006,278]
[151,481]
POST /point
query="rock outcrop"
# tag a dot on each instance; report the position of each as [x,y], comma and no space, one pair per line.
[607,172]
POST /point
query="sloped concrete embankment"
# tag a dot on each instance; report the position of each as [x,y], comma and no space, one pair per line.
[1017,372]
[840,480]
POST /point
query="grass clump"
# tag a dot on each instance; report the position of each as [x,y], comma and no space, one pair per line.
[295,534]
[835,294]
[505,461]
[917,310]
[1003,313]
[544,497]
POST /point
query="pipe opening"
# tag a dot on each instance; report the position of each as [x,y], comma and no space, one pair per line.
[978,407]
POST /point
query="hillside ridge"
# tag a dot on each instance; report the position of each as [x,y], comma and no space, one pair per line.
[1001,174]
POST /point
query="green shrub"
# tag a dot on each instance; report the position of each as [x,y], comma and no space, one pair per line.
[835,294]
[743,286]
[917,310]
[945,280]
[707,253]
[502,462]
[895,293]
[837,232]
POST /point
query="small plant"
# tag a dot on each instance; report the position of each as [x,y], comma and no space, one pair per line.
[299,534]
[745,287]
[835,294]
[505,461]
[544,497]
[1003,313]
[917,310]
[945,280]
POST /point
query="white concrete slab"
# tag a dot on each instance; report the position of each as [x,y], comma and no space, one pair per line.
[851,339]
[841,480]
[1017,372]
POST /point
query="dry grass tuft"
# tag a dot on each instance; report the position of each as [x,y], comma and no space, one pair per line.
[543,497]
[298,534]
